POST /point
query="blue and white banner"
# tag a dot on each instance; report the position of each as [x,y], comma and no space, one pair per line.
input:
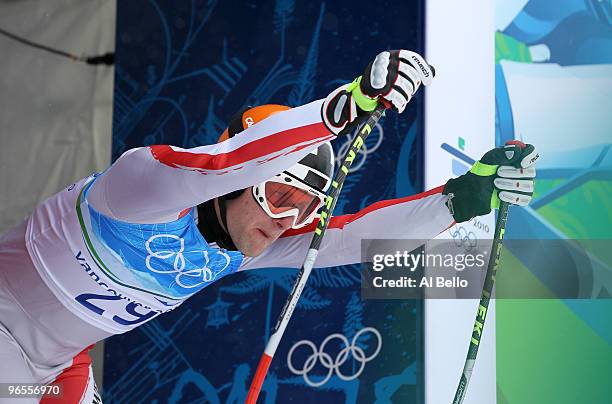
[459,128]
[183,69]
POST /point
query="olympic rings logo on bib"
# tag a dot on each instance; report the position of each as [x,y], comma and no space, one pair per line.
[334,365]
[197,276]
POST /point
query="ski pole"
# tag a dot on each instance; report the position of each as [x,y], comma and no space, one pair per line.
[311,256]
[500,228]
[487,289]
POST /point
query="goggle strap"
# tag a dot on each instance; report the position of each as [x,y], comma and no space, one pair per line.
[302,181]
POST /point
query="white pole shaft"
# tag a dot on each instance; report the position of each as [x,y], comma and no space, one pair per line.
[279,330]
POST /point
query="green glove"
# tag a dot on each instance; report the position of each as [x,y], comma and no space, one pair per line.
[502,174]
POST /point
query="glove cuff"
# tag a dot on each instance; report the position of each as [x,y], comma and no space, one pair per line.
[483,170]
[469,196]
[364,102]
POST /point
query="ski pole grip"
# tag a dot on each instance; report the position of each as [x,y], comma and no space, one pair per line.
[384,102]
[516,143]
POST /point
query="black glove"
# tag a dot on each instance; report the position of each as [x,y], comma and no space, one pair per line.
[502,174]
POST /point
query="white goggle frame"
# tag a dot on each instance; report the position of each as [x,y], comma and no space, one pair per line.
[259,193]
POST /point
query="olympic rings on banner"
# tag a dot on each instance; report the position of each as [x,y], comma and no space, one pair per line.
[363,152]
[333,365]
[463,238]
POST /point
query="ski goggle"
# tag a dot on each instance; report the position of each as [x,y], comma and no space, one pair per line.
[285,196]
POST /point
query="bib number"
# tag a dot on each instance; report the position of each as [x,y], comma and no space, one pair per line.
[130,309]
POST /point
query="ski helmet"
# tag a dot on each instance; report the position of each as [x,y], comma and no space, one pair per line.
[311,176]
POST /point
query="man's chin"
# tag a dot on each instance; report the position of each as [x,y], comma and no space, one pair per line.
[251,250]
[256,244]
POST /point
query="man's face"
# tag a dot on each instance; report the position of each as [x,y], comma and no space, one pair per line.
[250,227]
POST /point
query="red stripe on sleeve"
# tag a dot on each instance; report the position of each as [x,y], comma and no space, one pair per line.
[338,222]
[250,151]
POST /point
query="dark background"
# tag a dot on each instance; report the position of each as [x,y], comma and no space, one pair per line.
[183,68]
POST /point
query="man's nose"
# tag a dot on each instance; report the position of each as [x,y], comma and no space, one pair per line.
[284,223]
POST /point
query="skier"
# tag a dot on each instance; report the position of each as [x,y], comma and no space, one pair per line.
[116,249]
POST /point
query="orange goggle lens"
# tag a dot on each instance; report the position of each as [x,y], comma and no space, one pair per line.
[283,197]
